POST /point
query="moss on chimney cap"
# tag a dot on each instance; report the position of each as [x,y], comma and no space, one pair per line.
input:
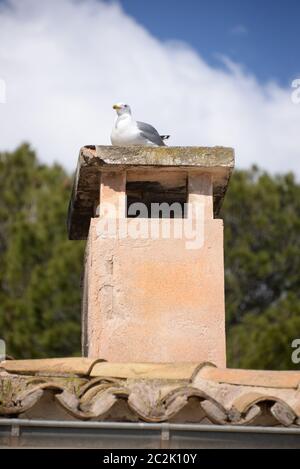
[217,161]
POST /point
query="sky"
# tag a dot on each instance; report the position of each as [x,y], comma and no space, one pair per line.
[208,72]
[262,35]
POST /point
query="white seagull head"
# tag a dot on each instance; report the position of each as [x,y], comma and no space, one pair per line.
[122,108]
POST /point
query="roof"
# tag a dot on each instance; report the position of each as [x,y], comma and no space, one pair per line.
[217,161]
[85,389]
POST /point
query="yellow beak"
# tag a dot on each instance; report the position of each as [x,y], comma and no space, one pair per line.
[115,106]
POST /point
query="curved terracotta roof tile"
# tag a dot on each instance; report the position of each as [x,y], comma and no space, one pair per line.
[86,389]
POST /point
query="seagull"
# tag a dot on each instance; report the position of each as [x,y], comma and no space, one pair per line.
[128,131]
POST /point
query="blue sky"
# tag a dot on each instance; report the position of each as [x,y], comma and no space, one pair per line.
[64,63]
[263,35]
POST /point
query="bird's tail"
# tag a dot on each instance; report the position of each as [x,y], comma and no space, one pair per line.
[165,137]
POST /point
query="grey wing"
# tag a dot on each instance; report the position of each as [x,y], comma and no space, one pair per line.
[149,132]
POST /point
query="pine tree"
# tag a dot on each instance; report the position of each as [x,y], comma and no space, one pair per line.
[40,269]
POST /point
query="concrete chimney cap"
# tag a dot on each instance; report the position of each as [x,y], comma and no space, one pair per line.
[217,161]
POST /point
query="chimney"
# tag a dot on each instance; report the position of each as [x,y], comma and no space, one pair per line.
[153,287]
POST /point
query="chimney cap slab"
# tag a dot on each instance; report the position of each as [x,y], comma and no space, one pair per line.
[217,161]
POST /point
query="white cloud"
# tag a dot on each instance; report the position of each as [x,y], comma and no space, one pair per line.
[66,62]
[2,91]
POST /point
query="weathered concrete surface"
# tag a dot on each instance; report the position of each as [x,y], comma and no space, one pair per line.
[153,300]
[216,161]
[200,157]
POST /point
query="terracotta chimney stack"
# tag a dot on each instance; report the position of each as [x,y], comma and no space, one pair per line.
[154,283]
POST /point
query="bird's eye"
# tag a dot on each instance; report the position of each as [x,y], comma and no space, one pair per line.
[125,105]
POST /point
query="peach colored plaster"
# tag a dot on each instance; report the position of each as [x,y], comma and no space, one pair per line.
[153,300]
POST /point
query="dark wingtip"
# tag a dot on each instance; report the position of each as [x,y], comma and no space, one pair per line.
[165,137]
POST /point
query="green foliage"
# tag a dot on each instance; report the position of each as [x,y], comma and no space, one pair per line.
[262,269]
[40,269]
